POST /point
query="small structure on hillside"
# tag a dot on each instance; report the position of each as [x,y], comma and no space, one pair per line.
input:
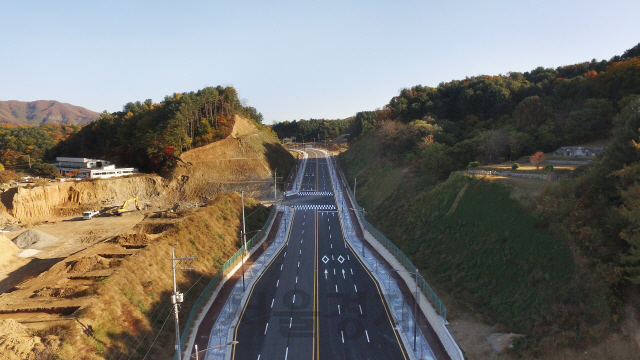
[579,151]
[91,168]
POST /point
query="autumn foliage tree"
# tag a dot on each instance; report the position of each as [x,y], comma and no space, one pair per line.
[538,159]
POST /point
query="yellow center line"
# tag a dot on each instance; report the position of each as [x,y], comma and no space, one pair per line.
[317,299]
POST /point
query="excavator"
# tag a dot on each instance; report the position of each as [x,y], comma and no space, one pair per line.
[123,209]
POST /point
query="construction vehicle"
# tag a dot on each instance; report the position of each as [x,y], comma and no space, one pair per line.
[123,209]
[87,215]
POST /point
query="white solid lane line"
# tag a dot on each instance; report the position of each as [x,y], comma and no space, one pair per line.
[366,333]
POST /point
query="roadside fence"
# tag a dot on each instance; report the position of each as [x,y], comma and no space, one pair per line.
[218,278]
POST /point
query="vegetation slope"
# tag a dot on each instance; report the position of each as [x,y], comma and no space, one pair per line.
[560,266]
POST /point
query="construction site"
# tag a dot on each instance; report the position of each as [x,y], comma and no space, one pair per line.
[85,267]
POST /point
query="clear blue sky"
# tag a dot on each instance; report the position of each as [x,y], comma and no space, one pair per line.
[291,59]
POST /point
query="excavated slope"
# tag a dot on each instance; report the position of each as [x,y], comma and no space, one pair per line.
[242,161]
[49,202]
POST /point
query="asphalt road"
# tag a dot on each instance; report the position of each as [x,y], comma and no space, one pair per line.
[315,300]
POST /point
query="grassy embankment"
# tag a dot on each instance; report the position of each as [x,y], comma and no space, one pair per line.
[485,256]
[132,312]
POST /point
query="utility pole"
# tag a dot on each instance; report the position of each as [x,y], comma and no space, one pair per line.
[355,187]
[176,297]
[243,235]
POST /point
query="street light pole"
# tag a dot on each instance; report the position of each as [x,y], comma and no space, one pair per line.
[415,306]
[415,314]
[244,241]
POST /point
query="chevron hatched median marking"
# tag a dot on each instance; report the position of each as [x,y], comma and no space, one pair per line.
[314,207]
[315,193]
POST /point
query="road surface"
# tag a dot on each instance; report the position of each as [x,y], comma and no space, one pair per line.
[315,300]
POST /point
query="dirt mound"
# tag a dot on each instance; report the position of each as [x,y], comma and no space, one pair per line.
[86,264]
[16,343]
[7,247]
[131,239]
[68,291]
[28,253]
[12,228]
[34,239]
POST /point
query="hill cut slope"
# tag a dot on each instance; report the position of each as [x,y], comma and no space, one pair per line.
[245,160]
[44,111]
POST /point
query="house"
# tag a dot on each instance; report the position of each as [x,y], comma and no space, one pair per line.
[91,168]
[579,151]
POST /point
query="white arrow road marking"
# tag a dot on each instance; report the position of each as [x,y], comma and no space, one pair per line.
[325,273]
[343,274]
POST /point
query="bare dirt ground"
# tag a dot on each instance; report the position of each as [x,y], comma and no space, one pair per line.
[63,278]
[74,235]
[480,341]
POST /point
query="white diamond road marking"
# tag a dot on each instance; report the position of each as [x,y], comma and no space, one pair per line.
[325,259]
[341,259]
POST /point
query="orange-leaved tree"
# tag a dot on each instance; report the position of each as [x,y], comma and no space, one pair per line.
[538,159]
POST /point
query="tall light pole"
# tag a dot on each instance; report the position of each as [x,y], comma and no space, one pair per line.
[415,307]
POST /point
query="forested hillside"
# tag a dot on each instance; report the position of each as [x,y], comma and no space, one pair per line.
[493,118]
[561,266]
[43,112]
[312,129]
[151,135]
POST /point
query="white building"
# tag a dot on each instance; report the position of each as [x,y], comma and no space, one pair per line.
[91,168]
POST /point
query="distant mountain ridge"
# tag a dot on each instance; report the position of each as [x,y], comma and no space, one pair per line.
[44,111]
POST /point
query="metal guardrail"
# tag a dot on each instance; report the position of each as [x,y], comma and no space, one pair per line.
[219,277]
[428,292]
